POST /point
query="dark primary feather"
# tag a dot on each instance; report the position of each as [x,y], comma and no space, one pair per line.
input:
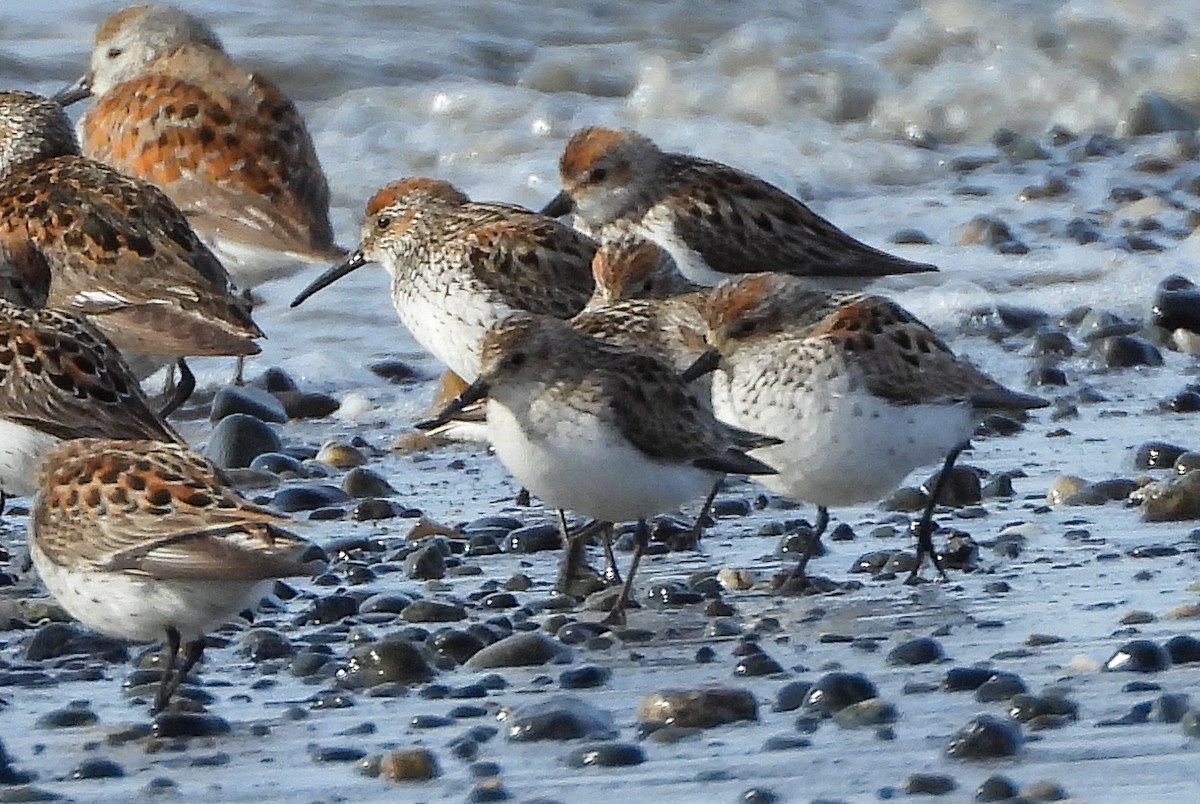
[740,223]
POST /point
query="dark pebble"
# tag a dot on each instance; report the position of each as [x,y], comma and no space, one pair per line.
[308,498]
[1139,656]
[261,644]
[985,737]
[699,709]
[330,609]
[97,768]
[306,404]
[427,562]
[408,765]
[487,791]
[786,742]
[433,611]
[922,650]
[1000,687]
[1126,351]
[761,795]
[791,696]
[757,664]
[278,463]
[1157,455]
[66,639]
[395,371]
[996,788]
[455,643]
[430,721]
[1026,708]
[533,539]
[606,755]
[1176,304]
[520,650]
[238,439]
[1138,713]
[248,400]
[1170,707]
[835,691]
[559,718]
[70,716]
[965,679]
[168,725]
[336,754]
[930,784]
[584,677]
[390,660]
[1183,649]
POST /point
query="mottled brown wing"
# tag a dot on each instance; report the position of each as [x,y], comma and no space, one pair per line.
[158,510]
[742,224]
[661,418]
[534,263]
[60,376]
[900,359]
[241,164]
[116,246]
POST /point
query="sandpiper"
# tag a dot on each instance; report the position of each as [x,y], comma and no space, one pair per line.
[860,392]
[714,220]
[78,236]
[144,540]
[227,146]
[598,429]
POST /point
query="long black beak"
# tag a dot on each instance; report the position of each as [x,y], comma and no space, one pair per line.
[352,262]
[75,92]
[559,206]
[706,363]
[474,392]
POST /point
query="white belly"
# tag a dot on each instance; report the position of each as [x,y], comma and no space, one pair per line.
[448,323]
[20,448]
[842,448]
[582,467]
[140,609]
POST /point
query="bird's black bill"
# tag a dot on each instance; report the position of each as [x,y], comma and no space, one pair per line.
[561,205]
[352,262]
[75,92]
[475,392]
[704,364]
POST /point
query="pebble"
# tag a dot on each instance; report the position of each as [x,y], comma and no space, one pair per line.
[871,712]
[1171,500]
[169,725]
[606,755]
[524,649]
[533,539]
[308,498]
[922,650]
[307,404]
[238,439]
[559,717]
[97,768]
[985,737]
[1183,649]
[409,765]
[433,611]
[1139,656]
[77,713]
[1043,790]
[1157,455]
[757,664]
[996,788]
[427,562]
[340,455]
[262,644]
[1191,723]
[1170,707]
[930,784]
[698,709]
[361,482]
[390,660]
[247,400]
[834,691]
[1000,687]
[585,676]
[1176,304]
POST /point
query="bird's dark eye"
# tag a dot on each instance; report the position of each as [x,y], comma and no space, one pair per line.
[383,222]
[114,52]
[516,359]
[598,174]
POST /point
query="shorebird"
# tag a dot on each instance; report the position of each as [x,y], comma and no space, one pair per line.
[144,540]
[860,392]
[599,429]
[228,147]
[78,236]
[714,220]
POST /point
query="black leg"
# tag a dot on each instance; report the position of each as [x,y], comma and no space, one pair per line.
[192,652]
[698,527]
[797,575]
[170,650]
[925,526]
[183,389]
[617,615]
[573,551]
[239,373]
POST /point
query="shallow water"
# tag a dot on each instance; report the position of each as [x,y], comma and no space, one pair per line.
[839,102]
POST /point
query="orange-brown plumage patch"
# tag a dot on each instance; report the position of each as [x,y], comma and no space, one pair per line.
[730,302]
[399,190]
[586,146]
[619,263]
[855,317]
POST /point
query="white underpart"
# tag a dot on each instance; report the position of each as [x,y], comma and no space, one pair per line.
[661,230]
[138,608]
[20,448]
[842,445]
[577,462]
[448,321]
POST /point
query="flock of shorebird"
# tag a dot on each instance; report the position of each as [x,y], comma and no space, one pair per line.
[618,382]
